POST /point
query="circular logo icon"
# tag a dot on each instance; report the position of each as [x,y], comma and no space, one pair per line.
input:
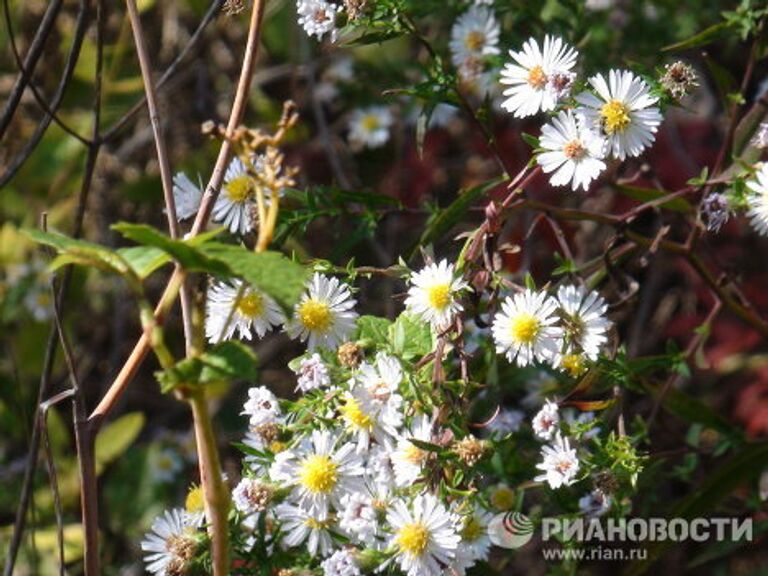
[510,530]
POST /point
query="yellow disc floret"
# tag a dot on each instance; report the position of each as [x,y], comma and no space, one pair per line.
[472,529]
[413,538]
[525,328]
[318,474]
[251,305]
[615,116]
[354,415]
[439,296]
[370,123]
[537,77]
[239,189]
[573,364]
[474,41]
[315,315]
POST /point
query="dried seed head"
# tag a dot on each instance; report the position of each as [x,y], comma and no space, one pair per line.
[268,432]
[678,79]
[606,481]
[232,7]
[470,450]
[350,355]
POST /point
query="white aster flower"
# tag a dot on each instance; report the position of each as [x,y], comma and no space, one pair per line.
[622,111]
[595,504]
[251,496]
[760,139]
[546,420]
[381,469]
[255,313]
[358,518]
[573,152]
[186,196]
[525,328]
[299,525]
[474,35]
[319,471]
[585,325]
[235,205]
[475,543]
[170,545]
[424,535]
[325,315]
[318,18]
[434,294]
[538,78]
[560,464]
[261,407]
[408,459]
[368,416]
[369,127]
[341,563]
[164,464]
[758,201]
[312,374]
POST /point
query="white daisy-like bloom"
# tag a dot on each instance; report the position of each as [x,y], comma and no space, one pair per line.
[325,315]
[538,77]
[318,18]
[358,518]
[560,464]
[622,111]
[381,379]
[573,152]
[261,407]
[434,294]
[474,35]
[299,525]
[369,127]
[408,459]
[170,545]
[546,421]
[255,313]
[424,537]
[381,468]
[585,324]
[320,471]
[525,330]
[475,542]
[340,563]
[757,199]
[186,196]
[164,464]
[250,496]
[368,416]
[235,205]
[595,504]
[312,374]
[760,139]
[506,421]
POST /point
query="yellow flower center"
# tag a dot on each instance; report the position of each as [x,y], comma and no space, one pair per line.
[318,474]
[315,316]
[315,524]
[615,116]
[503,498]
[439,296]
[414,454]
[370,123]
[525,328]
[536,77]
[354,414]
[474,41]
[472,529]
[573,149]
[239,189]
[251,305]
[195,501]
[413,538]
[573,364]
[276,446]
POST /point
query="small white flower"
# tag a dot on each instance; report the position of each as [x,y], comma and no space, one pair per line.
[573,152]
[320,472]
[312,374]
[325,315]
[475,543]
[235,205]
[408,459]
[380,466]
[341,563]
[186,196]
[760,139]
[506,421]
[369,127]
[250,496]
[538,78]
[595,504]
[585,325]
[434,294]
[424,536]
[758,201]
[253,312]
[318,18]
[367,416]
[525,328]
[261,406]
[357,517]
[622,111]
[164,464]
[474,35]
[299,524]
[546,420]
[169,546]
[560,464]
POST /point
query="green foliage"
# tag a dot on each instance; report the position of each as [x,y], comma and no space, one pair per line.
[223,362]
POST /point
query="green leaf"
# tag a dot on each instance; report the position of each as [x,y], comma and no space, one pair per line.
[410,337]
[272,272]
[144,260]
[223,363]
[117,437]
[373,328]
[706,36]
